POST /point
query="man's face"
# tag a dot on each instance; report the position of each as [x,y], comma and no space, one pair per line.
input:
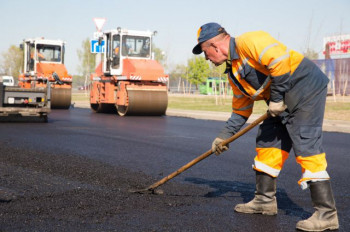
[213,53]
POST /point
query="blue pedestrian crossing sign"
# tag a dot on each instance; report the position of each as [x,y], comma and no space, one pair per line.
[97,48]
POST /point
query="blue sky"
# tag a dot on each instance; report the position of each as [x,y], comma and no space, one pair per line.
[293,22]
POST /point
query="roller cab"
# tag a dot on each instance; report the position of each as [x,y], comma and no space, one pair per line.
[128,80]
[44,65]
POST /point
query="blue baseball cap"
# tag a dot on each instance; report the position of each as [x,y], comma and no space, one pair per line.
[206,32]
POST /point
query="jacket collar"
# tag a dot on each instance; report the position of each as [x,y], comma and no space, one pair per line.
[232,55]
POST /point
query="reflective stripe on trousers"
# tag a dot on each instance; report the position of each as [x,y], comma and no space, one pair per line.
[301,131]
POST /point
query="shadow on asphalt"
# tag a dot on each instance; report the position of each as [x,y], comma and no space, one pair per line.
[246,191]
[23,119]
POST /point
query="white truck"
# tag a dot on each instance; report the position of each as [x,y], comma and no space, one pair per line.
[8,80]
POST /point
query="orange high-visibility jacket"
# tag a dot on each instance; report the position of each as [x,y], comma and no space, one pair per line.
[260,70]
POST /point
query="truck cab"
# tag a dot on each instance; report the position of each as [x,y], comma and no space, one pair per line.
[41,51]
[124,44]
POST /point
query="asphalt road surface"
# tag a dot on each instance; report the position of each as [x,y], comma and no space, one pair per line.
[74,173]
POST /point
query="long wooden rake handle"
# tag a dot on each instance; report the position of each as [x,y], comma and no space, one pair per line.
[208,153]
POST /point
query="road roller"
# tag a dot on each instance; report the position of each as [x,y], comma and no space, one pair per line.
[43,65]
[127,79]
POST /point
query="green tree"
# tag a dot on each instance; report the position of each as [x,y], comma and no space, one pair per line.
[179,71]
[87,59]
[198,70]
[311,54]
[177,75]
[78,81]
[218,71]
[12,61]
[160,56]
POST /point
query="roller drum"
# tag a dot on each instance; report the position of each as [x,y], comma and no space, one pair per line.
[145,102]
[61,98]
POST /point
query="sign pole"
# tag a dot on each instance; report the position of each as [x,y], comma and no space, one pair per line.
[99,22]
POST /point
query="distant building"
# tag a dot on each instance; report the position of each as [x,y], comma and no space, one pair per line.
[215,86]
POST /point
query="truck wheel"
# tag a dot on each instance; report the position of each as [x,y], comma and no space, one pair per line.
[44,118]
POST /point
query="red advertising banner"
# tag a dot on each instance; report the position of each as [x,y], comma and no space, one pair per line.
[338,45]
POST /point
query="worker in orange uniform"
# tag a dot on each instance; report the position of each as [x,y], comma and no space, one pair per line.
[39,55]
[116,51]
[261,68]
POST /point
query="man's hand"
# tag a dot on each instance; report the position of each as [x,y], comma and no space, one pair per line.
[217,148]
[276,108]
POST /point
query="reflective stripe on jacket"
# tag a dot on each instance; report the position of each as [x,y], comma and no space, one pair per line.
[260,70]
